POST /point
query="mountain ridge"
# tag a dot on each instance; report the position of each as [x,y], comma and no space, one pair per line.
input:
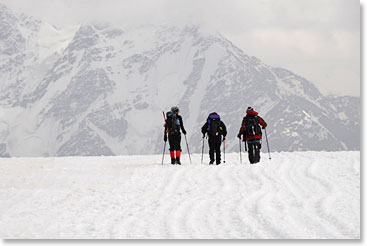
[103,94]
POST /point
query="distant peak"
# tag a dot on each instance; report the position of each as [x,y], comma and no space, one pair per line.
[191,28]
[101,25]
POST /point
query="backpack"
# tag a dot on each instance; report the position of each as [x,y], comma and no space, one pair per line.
[214,128]
[252,127]
[172,123]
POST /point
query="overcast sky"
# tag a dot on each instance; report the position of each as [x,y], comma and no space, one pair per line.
[317,39]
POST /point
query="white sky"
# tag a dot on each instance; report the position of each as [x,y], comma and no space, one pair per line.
[317,39]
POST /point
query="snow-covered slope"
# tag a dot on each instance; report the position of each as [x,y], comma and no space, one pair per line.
[100,90]
[297,195]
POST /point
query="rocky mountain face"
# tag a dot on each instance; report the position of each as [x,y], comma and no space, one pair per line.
[100,90]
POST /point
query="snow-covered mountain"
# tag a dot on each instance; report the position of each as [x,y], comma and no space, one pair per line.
[96,89]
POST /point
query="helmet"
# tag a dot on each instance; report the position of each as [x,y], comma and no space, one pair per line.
[175,109]
[249,109]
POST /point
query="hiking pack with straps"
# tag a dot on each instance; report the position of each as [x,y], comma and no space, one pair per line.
[172,123]
[252,126]
[214,128]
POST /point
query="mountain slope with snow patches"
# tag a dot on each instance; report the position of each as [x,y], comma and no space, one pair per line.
[96,89]
[296,195]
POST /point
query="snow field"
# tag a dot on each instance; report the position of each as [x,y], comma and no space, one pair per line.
[296,195]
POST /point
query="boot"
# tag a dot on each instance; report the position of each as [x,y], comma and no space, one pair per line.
[172,154]
[178,161]
[211,162]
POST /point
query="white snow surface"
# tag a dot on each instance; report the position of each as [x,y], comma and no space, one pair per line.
[295,195]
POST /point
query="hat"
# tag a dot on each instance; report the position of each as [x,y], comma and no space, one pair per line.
[175,109]
[249,109]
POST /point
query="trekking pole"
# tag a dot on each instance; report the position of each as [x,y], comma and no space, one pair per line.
[164,150]
[224,151]
[202,151]
[267,143]
[240,151]
[188,151]
[165,142]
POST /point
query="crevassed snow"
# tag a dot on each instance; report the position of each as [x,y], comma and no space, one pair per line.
[298,195]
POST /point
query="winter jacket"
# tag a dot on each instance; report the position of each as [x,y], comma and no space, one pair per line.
[260,121]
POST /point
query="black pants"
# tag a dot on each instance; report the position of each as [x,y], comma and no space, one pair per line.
[214,147]
[174,141]
[254,151]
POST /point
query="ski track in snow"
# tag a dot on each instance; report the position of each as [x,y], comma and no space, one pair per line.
[297,195]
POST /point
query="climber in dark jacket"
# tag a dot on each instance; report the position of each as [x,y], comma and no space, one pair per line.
[215,128]
[172,127]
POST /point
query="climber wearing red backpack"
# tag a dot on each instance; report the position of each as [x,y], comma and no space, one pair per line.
[251,132]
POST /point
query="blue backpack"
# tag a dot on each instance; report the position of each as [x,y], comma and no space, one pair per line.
[214,128]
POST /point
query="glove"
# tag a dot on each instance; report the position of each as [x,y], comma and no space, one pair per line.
[184,132]
[263,127]
[239,135]
[203,135]
[224,138]
[165,138]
